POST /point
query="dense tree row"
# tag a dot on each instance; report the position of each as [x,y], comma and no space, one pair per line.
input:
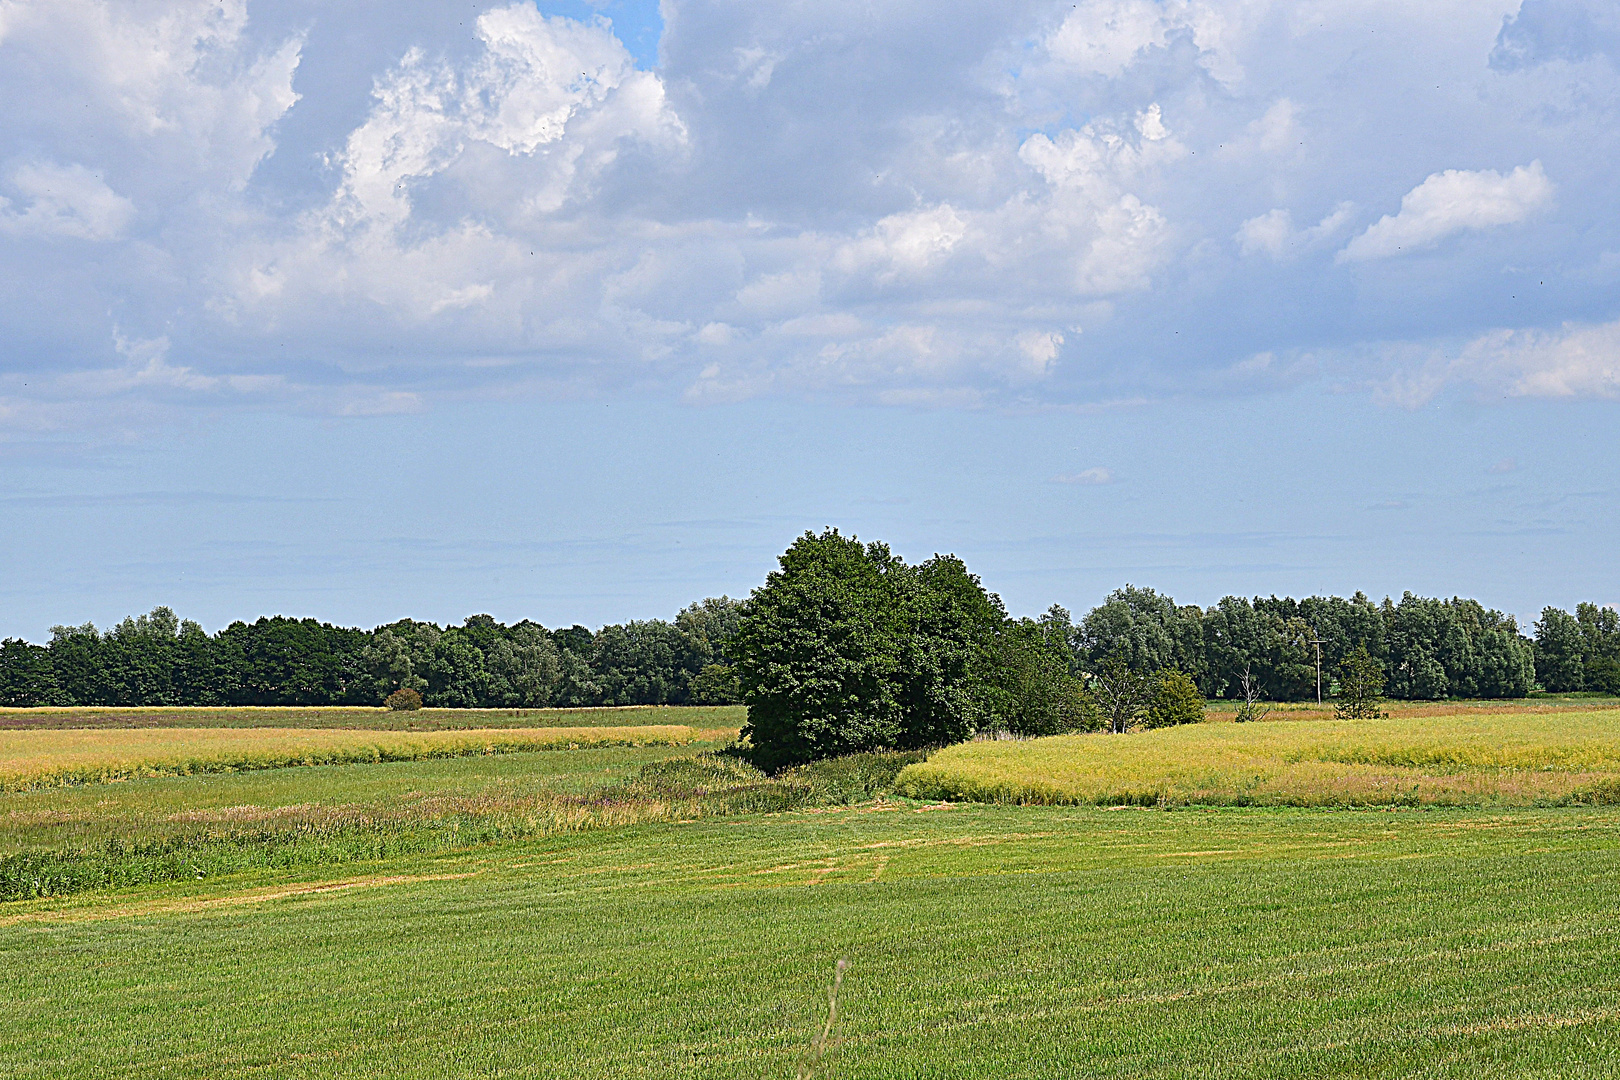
[159,659]
[1579,652]
[1428,648]
[919,654]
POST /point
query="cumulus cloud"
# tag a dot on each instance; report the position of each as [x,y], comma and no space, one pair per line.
[1571,361]
[567,88]
[1115,238]
[63,201]
[1273,232]
[1451,202]
[1105,37]
[904,242]
[836,200]
[182,75]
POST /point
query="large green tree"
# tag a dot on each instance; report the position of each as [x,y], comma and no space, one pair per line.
[818,652]
[845,648]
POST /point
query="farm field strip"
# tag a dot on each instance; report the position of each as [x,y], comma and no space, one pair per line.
[998,941]
[1483,758]
[44,758]
[368,718]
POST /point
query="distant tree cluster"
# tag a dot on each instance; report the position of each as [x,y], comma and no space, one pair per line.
[1579,652]
[1427,649]
[160,659]
[847,648]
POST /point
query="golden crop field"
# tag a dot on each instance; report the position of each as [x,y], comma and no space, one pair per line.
[45,758]
[1483,758]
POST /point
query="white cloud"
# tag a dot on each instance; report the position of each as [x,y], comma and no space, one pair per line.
[1113,239]
[1273,232]
[1095,476]
[1572,361]
[1277,129]
[64,201]
[1276,133]
[904,243]
[1040,349]
[1105,37]
[553,83]
[181,74]
[1451,202]
[867,202]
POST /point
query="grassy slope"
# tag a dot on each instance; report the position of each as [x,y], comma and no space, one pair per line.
[983,941]
[1478,758]
[369,719]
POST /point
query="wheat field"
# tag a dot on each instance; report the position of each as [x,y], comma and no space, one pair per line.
[1477,759]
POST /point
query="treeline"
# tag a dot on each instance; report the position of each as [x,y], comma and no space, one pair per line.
[1427,649]
[160,659]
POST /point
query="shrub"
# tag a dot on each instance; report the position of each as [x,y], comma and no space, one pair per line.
[403,700]
[1176,700]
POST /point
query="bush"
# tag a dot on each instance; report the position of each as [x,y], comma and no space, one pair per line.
[1176,700]
[403,700]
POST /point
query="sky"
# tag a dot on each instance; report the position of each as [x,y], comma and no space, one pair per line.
[582,311]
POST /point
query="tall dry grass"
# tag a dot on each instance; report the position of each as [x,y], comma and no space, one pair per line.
[1495,758]
[47,758]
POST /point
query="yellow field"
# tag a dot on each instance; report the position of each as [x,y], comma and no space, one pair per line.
[1524,758]
[45,758]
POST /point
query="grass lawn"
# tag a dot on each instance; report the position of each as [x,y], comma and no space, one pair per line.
[989,941]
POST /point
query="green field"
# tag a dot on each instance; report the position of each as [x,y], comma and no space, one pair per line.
[983,940]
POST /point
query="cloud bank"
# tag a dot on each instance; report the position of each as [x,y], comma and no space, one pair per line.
[256,203]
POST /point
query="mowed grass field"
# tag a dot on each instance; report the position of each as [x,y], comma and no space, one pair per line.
[1482,757]
[982,941]
[673,932]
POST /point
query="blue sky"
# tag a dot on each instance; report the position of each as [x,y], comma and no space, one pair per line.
[583,311]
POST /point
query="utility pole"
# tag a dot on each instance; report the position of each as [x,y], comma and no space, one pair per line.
[1317,641]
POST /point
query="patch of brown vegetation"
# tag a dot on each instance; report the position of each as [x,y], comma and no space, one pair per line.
[194,904]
